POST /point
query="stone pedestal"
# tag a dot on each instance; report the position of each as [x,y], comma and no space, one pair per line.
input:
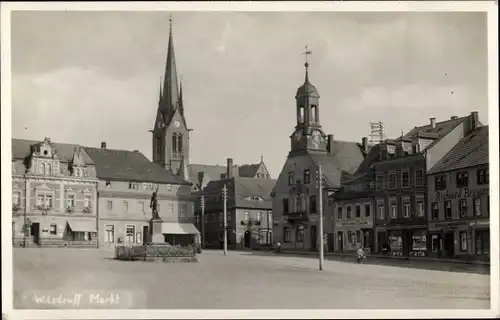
[156,234]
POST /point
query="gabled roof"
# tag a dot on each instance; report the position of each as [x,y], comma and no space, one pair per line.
[248,170]
[201,174]
[130,166]
[345,156]
[22,149]
[470,151]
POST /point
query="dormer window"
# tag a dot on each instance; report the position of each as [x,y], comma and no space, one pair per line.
[108,184]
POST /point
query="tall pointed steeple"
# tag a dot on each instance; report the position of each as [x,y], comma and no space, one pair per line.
[170,85]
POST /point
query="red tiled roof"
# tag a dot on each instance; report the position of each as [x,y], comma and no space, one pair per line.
[472,150]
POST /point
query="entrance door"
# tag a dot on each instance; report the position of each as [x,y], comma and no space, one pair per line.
[340,241]
[247,239]
[367,239]
[449,245]
[313,238]
[35,232]
[145,234]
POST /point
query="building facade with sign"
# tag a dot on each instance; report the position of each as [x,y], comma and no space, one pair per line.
[458,206]
[296,195]
[400,177]
[249,212]
[54,192]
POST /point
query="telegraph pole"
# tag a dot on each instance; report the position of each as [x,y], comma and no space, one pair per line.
[203,222]
[224,193]
[320,189]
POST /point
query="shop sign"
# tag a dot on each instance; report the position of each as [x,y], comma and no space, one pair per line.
[396,243]
[419,242]
[461,193]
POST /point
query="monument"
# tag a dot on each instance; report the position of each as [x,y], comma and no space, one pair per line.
[156,235]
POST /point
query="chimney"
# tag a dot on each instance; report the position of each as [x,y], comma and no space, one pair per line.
[453,118]
[229,170]
[474,119]
[103,145]
[329,146]
[433,122]
[364,143]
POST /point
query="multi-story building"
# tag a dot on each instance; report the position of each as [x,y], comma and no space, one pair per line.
[296,195]
[54,192]
[249,211]
[459,200]
[127,180]
[400,177]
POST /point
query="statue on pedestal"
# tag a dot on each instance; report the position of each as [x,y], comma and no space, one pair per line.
[154,205]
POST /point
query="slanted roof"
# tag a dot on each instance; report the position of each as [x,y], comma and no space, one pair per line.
[440,130]
[344,156]
[22,149]
[201,174]
[247,188]
[470,151]
[130,166]
[248,170]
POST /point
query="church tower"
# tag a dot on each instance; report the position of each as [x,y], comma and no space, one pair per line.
[170,131]
[308,136]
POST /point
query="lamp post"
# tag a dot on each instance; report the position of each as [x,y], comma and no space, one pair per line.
[320,191]
[224,194]
[203,222]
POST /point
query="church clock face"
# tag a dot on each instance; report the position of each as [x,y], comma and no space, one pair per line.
[177,124]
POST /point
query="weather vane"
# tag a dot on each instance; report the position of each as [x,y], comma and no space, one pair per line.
[307,52]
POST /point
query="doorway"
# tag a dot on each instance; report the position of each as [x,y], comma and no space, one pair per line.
[313,238]
[367,239]
[340,241]
[145,234]
[35,232]
[247,239]
[449,245]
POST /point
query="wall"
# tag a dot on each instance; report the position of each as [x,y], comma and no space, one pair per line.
[445,144]
[352,224]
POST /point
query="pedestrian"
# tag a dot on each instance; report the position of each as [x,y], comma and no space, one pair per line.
[360,254]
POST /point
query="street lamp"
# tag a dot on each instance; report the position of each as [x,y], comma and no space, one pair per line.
[224,194]
[203,222]
[320,189]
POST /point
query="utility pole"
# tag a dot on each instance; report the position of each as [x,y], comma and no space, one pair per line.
[224,194]
[203,222]
[320,191]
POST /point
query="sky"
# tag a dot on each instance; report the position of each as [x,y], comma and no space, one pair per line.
[86,77]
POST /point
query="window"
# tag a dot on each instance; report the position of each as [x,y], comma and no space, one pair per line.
[420,208]
[170,207]
[348,215]
[339,212]
[367,210]
[381,211]
[307,176]
[87,201]
[300,234]
[53,229]
[440,182]
[312,204]
[357,210]
[130,234]
[141,206]
[259,216]
[358,236]
[285,206]
[290,178]
[392,181]
[435,243]
[394,210]
[108,184]
[174,145]
[48,200]
[482,176]
[40,200]
[477,206]
[16,198]
[463,208]
[269,218]
[71,201]
[125,206]
[405,179]
[380,182]
[447,209]
[435,210]
[109,205]
[246,216]
[406,209]
[183,208]
[463,241]
[462,179]
[419,177]
[180,146]
[109,233]
[287,236]
[221,217]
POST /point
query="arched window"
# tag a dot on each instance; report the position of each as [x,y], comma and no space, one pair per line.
[179,143]
[48,169]
[314,113]
[41,168]
[174,144]
[301,114]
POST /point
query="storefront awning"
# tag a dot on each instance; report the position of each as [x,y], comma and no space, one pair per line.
[82,225]
[178,228]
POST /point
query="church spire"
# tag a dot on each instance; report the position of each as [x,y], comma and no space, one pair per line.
[306,64]
[170,86]
[183,170]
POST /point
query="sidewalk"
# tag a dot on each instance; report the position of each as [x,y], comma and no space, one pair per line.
[385,257]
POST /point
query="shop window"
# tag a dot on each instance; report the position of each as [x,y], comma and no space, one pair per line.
[463,241]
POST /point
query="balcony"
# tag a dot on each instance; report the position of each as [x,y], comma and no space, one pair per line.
[296,216]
